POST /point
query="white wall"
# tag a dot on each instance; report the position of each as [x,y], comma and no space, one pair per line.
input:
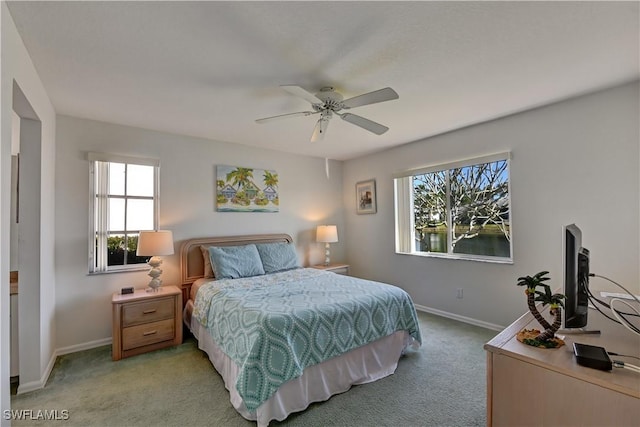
[574,161]
[39,337]
[187,207]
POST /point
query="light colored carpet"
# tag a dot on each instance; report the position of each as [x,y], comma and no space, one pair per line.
[441,384]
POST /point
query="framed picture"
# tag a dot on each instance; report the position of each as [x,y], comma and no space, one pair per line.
[366,197]
[241,189]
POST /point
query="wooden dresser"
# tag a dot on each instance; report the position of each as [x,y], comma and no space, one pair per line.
[146,321]
[529,386]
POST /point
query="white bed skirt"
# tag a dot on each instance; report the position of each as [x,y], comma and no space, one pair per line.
[317,383]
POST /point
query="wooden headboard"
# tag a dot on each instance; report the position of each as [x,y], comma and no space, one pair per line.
[192,264]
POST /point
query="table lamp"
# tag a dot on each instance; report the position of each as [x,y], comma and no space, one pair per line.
[153,244]
[327,234]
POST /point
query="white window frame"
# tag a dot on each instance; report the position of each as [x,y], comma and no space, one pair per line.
[98,211]
[404,209]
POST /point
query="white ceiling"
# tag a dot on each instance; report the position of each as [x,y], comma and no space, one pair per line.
[209,69]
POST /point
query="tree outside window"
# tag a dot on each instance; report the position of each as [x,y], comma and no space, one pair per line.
[463,210]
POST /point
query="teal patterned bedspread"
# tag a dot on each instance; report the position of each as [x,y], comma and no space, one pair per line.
[273,326]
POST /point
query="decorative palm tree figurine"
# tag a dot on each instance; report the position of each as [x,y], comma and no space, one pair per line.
[546,339]
[556,305]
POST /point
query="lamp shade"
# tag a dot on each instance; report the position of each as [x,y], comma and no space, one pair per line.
[152,243]
[327,233]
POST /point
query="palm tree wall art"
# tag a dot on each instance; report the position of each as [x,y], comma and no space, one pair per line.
[240,189]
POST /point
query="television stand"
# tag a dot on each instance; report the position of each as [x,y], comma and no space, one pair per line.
[566,393]
[579,331]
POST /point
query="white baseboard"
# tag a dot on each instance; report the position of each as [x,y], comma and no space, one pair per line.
[37,385]
[459,318]
[84,346]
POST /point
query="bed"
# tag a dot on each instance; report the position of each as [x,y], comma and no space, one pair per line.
[281,336]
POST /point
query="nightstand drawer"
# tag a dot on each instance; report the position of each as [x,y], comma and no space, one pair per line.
[145,312]
[148,333]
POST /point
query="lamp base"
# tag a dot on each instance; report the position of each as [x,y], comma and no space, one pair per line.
[327,255]
[155,274]
[154,285]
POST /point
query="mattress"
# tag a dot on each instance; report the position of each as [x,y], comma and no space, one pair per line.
[188,308]
[196,286]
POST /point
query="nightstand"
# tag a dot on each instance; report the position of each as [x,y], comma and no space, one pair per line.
[146,321]
[336,268]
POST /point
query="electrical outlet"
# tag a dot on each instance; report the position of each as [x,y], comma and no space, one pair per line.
[459,293]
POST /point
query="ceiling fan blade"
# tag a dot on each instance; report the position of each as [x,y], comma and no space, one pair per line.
[386,94]
[367,124]
[302,93]
[320,129]
[284,116]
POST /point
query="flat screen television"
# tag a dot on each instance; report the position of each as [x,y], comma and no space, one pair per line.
[576,280]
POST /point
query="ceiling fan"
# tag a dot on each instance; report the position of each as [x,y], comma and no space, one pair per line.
[328,102]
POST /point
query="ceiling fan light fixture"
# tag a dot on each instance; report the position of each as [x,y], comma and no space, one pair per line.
[327,101]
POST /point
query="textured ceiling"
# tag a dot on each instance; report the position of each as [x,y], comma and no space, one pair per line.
[209,69]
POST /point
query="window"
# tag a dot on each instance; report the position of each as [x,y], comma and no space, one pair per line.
[124,202]
[458,210]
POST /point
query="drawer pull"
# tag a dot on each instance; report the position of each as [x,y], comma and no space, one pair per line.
[146,334]
[150,311]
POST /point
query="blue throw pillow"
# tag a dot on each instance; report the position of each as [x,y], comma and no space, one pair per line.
[278,256]
[234,262]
